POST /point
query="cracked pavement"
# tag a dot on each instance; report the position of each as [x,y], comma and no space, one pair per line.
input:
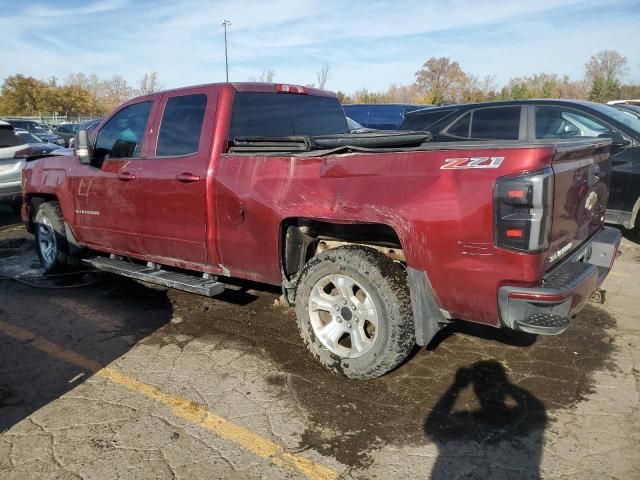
[478,403]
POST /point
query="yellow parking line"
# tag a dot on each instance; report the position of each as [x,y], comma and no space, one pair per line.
[182,408]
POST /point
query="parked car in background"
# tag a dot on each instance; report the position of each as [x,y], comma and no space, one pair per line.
[10,166]
[381,116]
[37,129]
[89,126]
[624,102]
[67,131]
[629,109]
[531,120]
[36,144]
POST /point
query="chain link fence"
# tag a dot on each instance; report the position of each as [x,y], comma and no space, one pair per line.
[52,119]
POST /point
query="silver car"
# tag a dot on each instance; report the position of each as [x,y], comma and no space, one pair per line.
[11,165]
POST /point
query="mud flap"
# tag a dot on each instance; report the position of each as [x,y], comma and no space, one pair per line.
[426,313]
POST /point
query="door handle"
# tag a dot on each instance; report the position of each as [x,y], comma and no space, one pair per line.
[126,176]
[187,177]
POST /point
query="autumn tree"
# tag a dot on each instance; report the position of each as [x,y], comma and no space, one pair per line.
[21,95]
[441,78]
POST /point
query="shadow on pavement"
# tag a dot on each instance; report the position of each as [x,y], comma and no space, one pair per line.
[101,322]
[498,431]
[8,217]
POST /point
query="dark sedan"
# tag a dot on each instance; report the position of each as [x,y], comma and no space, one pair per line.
[36,144]
[67,131]
[531,120]
[39,130]
[89,126]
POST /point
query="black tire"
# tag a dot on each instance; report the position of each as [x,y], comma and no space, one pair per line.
[385,282]
[49,225]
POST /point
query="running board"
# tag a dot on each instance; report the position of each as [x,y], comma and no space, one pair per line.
[208,287]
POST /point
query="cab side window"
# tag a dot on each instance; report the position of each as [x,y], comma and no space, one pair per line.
[496,123]
[181,126]
[558,122]
[123,135]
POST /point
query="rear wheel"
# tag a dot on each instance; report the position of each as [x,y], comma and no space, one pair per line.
[354,311]
[51,239]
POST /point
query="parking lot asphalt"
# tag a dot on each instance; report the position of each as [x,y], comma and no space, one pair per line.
[119,379]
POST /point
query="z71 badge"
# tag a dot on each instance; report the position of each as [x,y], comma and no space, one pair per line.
[471,162]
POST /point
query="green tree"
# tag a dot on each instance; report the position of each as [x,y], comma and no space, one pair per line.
[520,91]
[603,90]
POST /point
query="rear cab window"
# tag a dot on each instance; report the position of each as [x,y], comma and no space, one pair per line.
[266,114]
[491,123]
[181,126]
[497,123]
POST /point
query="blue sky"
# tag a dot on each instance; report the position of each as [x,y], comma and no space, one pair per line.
[367,43]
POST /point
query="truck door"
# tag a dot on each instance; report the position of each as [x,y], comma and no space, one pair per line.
[173,182]
[106,208]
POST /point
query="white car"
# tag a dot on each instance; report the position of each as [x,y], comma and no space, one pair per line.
[11,165]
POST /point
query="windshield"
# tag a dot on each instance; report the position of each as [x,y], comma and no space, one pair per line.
[627,120]
[281,115]
[28,137]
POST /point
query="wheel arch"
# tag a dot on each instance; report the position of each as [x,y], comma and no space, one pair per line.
[301,237]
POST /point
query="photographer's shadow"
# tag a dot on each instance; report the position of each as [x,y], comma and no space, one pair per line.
[500,439]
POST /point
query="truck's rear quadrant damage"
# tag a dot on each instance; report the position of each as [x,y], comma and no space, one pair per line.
[378,238]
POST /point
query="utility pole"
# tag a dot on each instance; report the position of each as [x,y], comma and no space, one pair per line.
[226,59]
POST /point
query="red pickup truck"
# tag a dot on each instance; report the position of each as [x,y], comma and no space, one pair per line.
[378,238]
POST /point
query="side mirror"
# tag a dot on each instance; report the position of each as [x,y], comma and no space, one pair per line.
[617,140]
[83,148]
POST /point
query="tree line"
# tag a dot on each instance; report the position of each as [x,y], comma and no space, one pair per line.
[77,94]
[439,80]
[442,80]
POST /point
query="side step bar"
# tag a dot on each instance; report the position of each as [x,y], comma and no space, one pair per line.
[180,281]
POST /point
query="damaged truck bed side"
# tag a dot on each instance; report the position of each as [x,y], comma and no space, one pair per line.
[378,239]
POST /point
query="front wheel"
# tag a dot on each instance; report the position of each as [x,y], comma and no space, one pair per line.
[354,311]
[51,239]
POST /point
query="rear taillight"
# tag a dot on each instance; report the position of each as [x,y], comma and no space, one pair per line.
[523,206]
[282,88]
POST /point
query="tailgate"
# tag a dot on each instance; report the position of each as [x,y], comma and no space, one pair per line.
[582,174]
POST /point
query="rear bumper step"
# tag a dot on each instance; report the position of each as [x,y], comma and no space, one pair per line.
[180,281]
[547,308]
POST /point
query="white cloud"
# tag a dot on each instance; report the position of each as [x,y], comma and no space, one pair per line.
[368,43]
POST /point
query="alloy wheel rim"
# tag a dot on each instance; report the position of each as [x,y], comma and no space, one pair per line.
[343,316]
[47,241]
